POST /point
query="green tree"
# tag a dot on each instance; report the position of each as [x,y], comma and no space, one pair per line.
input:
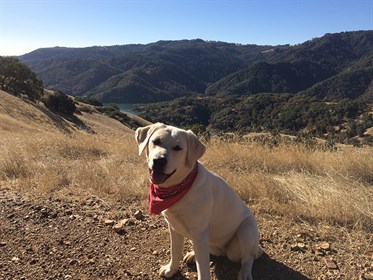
[17,79]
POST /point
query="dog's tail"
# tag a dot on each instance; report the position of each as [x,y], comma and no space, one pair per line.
[259,252]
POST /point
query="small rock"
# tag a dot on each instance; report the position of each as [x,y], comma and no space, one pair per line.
[109,222]
[67,242]
[38,207]
[125,222]
[133,249]
[34,261]
[75,217]
[44,212]
[10,216]
[119,228]
[325,246]
[330,263]
[139,215]
[155,253]
[64,242]
[302,246]
[2,244]
[15,259]
[298,247]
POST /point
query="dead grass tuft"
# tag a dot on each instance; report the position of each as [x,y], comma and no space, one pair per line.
[13,167]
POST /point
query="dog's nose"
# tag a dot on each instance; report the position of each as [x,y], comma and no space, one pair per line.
[159,164]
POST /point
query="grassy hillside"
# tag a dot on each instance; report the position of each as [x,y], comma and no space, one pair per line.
[44,152]
[41,152]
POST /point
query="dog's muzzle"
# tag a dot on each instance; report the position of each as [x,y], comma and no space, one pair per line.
[159,164]
[157,173]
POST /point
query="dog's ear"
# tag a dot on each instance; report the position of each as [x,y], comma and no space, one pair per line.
[143,135]
[195,149]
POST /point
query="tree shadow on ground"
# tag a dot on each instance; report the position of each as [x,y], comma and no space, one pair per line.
[78,123]
[63,121]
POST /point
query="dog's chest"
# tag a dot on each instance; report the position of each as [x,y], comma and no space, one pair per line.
[186,220]
[180,222]
[181,229]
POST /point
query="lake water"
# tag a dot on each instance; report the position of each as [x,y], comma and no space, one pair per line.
[125,107]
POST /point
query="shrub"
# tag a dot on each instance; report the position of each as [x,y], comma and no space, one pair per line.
[59,102]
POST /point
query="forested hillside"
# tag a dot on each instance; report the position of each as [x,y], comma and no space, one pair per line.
[343,58]
[139,73]
[345,121]
[332,67]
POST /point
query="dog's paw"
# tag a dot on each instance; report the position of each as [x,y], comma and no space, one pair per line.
[167,270]
[241,276]
[189,258]
[245,274]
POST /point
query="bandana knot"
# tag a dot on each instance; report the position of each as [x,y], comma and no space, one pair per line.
[162,198]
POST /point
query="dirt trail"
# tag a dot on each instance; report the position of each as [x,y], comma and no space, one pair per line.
[62,237]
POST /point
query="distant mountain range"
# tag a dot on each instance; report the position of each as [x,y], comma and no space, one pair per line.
[333,67]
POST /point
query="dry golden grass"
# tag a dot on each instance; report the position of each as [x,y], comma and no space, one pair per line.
[304,184]
[54,161]
[299,182]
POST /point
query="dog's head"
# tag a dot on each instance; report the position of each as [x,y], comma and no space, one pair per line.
[170,152]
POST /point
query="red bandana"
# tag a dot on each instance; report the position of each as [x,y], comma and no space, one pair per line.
[162,198]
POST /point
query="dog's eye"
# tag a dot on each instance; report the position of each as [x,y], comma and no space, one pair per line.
[156,142]
[177,148]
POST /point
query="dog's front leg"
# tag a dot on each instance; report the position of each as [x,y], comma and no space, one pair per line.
[202,254]
[177,244]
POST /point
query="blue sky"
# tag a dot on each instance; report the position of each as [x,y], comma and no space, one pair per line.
[30,24]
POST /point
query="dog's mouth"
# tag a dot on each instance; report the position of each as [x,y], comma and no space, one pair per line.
[158,177]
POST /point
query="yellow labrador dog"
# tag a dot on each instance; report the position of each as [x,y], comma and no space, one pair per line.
[196,203]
